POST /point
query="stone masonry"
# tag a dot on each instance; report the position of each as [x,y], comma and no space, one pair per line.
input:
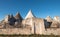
[30,25]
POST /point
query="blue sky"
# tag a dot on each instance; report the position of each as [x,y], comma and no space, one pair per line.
[40,8]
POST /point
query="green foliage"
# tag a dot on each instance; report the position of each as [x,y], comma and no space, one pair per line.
[32,35]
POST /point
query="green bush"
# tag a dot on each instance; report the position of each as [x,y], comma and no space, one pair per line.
[32,35]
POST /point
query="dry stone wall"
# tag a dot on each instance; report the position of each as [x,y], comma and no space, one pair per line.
[49,31]
[52,31]
[15,31]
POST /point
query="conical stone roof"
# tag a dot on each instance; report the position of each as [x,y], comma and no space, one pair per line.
[11,16]
[55,24]
[7,18]
[49,19]
[18,16]
[29,15]
[57,18]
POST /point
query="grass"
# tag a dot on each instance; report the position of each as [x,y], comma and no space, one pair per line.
[33,35]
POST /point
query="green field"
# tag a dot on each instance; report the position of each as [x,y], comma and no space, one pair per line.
[33,35]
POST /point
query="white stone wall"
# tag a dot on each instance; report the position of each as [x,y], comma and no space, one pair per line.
[38,26]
